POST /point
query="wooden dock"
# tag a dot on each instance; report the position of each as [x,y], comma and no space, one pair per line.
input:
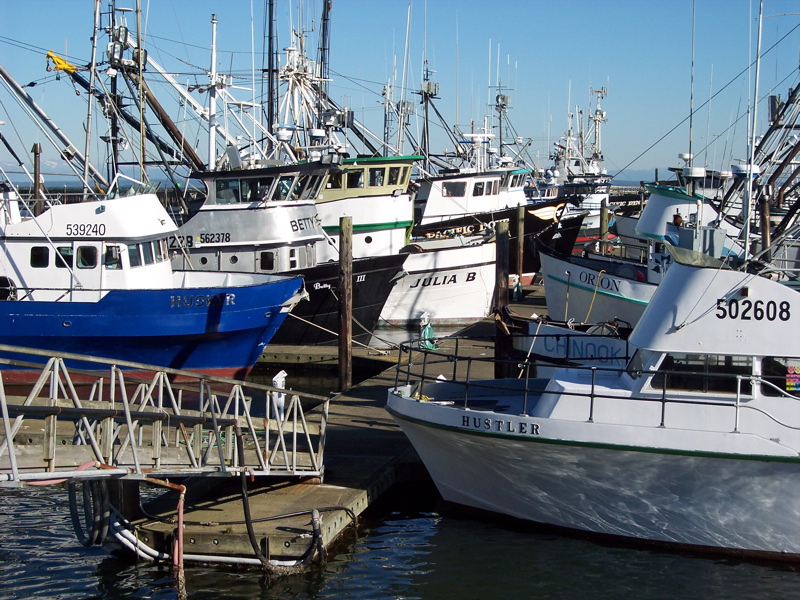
[365,455]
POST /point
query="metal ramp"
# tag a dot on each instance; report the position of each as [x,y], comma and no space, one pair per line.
[135,421]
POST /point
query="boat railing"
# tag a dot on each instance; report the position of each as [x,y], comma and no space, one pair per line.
[473,376]
[467,364]
[104,418]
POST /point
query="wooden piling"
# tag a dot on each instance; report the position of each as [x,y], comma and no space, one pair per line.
[603,225]
[345,303]
[502,345]
[520,238]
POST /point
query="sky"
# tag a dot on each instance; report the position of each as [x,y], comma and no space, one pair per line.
[656,59]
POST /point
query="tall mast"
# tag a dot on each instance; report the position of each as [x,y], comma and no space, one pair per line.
[90,98]
[212,99]
[140,60]
[324,67]
[271,74]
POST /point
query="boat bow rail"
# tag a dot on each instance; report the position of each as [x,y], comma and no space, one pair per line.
[455,372]
[136,421]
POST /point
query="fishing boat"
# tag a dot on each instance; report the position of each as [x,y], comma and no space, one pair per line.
[695,444]
[265,220]
[95,278]
[601,286]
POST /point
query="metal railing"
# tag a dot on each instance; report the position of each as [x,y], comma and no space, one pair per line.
[421,366]
[136,421]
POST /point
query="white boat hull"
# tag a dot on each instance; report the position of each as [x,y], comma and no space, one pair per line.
[536,470]
[454,286]
[586,295]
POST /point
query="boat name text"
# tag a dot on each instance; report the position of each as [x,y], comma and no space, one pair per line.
[500,425]
[442,280]
[749,310]
[202,300]
[580,348]
[322,286]
[81,229]
[302,224]
[603,283]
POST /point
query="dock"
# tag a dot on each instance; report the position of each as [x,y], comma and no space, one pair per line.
[188,467]
[365,455]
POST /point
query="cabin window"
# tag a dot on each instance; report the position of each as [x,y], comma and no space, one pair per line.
[227,191]
[112,259]
[355,179]
[334,181]
[454,189]
[394,175]
[312,189]
[147,253]
[64,257]
[40,257]
[496,187]
[293,258]
[267,261]
[376,177]
[299,187]
[478,189]
[284,187]
[134,256]
[702,373]
[86,257]
[161,250]
[782,376]
[256,190]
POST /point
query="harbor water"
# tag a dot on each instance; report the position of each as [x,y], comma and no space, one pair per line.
[410,545]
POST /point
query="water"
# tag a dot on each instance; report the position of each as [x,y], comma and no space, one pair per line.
[410,546]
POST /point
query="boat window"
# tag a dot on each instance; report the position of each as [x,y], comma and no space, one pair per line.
[161,250]
[299,188]
[638,362]
[334,181]
[454,189]
[40,257]
[227,191]
[376,177]
[702,373]
[112,259]
[355,179]
[86,257]
[64,257]
[293,258]
[134,257]
[267,261]
[406,175]
[478,189]
[394,175]
[147,252]
[496,187]
[312,189]
[782,376]
[284,187]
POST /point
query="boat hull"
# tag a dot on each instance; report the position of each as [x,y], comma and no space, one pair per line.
[602,291]
[453,286]
[538,472]
[215,330]
[316,321]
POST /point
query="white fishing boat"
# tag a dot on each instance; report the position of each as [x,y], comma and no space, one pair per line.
[696,443]
[447,281]
[598,287]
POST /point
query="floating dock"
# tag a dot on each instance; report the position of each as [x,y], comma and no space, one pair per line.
[365,455]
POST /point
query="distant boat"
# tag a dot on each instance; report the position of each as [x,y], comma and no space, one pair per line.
[695,444]
[95,278]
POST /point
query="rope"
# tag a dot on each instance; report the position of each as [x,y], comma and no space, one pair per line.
[594,295]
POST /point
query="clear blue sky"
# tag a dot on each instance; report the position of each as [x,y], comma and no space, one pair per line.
[550,54]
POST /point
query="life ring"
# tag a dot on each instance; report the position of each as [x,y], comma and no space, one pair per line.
[8,290]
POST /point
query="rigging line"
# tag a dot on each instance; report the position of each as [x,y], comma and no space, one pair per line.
[742,72]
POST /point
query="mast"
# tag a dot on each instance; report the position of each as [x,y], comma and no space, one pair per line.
[271,67]
[324,51]
[212,99]
[747,204]
[140,60]
[90,99]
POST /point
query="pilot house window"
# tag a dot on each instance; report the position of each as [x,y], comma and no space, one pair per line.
[703,373]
